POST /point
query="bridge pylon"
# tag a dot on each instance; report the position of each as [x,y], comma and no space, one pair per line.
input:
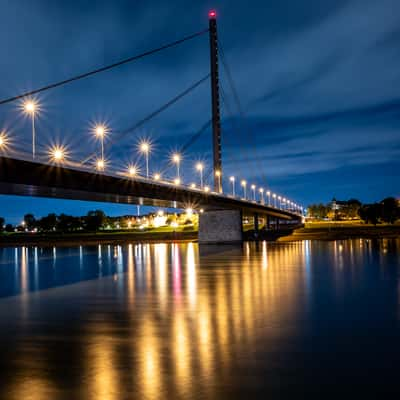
[215,102]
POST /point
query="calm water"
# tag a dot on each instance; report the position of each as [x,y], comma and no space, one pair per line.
[169,321]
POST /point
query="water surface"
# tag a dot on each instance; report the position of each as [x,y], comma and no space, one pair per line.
[175,321]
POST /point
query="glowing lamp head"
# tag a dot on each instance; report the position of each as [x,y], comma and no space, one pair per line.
[189,211]
[30,107]
[177,181]
[100,131]
[176,158]
[193,186]
[274,195]
[100,164]
[144,147]
[132,171]
[261,190]
[206,189]
[243,183]
[199,167]
[212,14]
[157,177]
[268,193]
[218,173]
[253,187]
[1,141]
[232,179]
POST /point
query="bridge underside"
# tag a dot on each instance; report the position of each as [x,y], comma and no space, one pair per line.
[26,178]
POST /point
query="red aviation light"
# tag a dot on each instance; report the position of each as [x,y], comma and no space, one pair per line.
[212,14]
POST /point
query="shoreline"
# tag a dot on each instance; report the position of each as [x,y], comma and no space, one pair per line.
[92,239]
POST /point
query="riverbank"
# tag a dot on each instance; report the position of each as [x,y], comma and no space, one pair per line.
[318,231]
[343,231]
[88,239]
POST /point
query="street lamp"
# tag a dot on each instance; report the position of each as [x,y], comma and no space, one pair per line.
[269,197]
[232,179]
[145,149]
[274,197]
[200,167]
[284,203]
[30,107]
[244,183]
[157,177]
[132,170]
[100,164]
[57,154]
[176,158]
[279,201]
[261,190]
[100,132]
[3,140]
[253,188]
[219,183]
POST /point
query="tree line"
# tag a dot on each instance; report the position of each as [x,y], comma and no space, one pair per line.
[387,210]
[92,221]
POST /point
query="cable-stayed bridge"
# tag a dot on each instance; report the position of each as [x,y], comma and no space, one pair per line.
[221,204]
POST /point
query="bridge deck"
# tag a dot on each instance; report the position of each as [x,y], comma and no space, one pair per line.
[27,178]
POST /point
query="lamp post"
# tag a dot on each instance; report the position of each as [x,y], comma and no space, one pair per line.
[145,149]
[244,184]
[253,188]
[100,132]
[232,179]
[30,107]
[279,201]
[176,158]
[200,167]
[261,190]
[269,197]
[274,197]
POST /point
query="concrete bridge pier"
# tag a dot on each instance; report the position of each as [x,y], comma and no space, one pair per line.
[220,226]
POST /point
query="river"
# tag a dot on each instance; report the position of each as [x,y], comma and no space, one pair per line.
[182,321]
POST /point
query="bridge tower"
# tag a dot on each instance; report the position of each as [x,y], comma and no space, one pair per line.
[215,103]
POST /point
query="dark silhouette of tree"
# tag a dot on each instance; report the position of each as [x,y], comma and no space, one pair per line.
[9,228]
[370,213]
[95,220]
[30,221]
[48,223]
[390,210]
[2,221]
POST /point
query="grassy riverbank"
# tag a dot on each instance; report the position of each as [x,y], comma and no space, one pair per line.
[91,238]
[341,231]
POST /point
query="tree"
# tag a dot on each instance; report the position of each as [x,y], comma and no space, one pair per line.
[9,228]
[95,220]
[370,213]
[2,221]
[30,221]
[48,223]
[390,210]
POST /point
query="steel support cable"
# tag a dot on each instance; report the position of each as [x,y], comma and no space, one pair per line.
[119,136]
[102,69]
[237,101]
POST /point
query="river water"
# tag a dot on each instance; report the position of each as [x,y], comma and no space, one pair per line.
[182,321]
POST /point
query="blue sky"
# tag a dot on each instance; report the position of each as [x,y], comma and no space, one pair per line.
[318,83]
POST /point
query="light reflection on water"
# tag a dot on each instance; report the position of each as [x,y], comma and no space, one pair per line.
[179,321]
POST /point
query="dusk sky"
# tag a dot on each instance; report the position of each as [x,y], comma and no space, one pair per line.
[318,81]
